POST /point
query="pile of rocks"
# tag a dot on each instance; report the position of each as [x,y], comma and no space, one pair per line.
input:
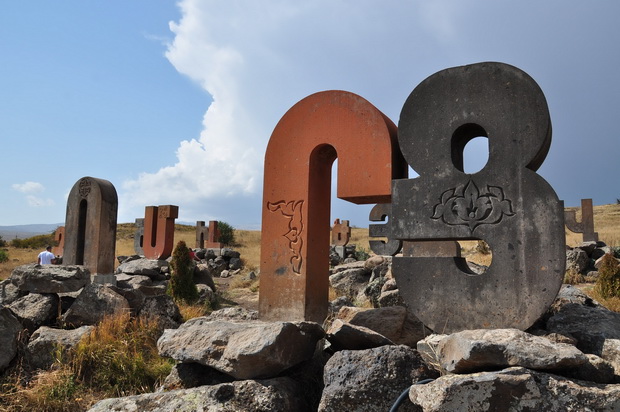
[585,259]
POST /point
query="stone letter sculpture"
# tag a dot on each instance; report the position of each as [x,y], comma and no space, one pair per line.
[213,240]
[138,237]
[159,231]
[379,213]
[341,233]
[506,203]
[202,232]
[59,237]
[297,189]
[586,226]
[90,227]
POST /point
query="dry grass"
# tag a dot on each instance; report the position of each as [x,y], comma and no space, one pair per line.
[17,257]
[606,223]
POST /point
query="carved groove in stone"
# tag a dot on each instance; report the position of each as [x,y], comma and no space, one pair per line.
[293,211]
[467,205]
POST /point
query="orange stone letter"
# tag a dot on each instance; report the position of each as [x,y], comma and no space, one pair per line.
[159,231]
[297,189]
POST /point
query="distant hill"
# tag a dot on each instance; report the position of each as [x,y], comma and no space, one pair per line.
[23,231]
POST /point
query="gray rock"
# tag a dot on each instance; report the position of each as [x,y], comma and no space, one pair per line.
[9,292]
[162,309]
[371,380]
[46,341]
[125,280]
[230,254]
[595,370]
[587,247]
[234,313]
[350,282]
[244,350]
[488,349]
[513,389]
[135,298]
[93,304]
[202,275]
[50,278]
[338,303]
[394,322]
[191,375]
[390,284]
[146,267]
[391,298]
[577,260]
[206,295]
[216,266]
[273,395]
[590,325]
[11,328]
[347,266]
[428,348]
[235,263]
[611,353]
[36,309]
[343,335]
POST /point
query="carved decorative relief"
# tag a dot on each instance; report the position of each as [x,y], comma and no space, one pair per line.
[293,211]
[84,187]
[467,205]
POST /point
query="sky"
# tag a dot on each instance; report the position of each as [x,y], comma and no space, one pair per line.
[174,102]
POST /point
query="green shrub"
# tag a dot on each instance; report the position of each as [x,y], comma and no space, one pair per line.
[34,242]
[361,254]
[227,233]
[608,282]
[2,242]
[181,285]
[4,256]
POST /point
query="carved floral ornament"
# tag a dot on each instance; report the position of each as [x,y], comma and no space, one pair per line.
[84,187]
[292,210]
[468,206]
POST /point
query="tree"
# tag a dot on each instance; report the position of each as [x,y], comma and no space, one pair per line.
[227,233]
[181,285]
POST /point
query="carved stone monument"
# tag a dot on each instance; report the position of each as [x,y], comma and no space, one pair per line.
[341,233]
[138,238]
[202,234]
[208,237]
[506,203]
[90,228]
[159,231]
[297,190]
[586,226]
[59,237]
[388,247]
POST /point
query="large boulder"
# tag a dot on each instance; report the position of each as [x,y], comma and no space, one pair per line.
[50,278]
[273,395]
[351,282]
[371,380]
[513,389]
[394,322]
[489,349]
[233,313]
[11,328]
[202,275]
[577,260]
[244,350]
[46,341]
[153,268]
[163,310]
[9,292]
[36,309]
[343,335]
[190,375]
[93,304]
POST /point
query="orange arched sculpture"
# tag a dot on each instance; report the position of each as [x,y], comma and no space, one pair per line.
[297,189]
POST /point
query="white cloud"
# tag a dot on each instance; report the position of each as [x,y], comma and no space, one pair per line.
[28,187]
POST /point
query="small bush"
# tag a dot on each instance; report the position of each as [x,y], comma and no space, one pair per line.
[2,242]
[608,282]
[4,256]
[572,277]
[34,242]
[227,233]
[181,285]
[361,254]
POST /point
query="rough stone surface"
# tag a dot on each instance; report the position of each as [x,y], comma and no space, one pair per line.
[350,282]
[45,341]
[95,302]
[146,267]
[486,349]
[577,260]
[272,395]
[245,350]
[371,380]
[514,389]
[50,278]
[35,309]
[390,298]
[394,322]
[202,275]
[125,280]
[234,313]
[191,375]
[611,352]
[10,327]
[135,297]
[163,309]
[590,325]
[9,292]
[343,335]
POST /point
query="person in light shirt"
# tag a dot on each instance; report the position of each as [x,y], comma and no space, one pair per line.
[46,257]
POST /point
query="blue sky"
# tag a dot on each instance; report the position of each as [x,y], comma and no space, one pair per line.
[174,102]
